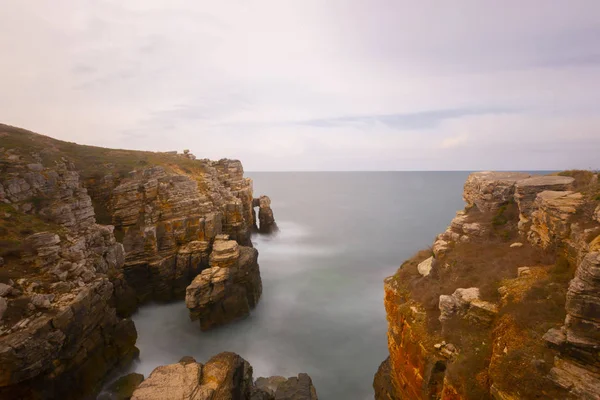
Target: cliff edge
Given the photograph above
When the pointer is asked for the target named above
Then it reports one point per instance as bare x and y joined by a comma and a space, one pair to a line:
506, 302
87, 234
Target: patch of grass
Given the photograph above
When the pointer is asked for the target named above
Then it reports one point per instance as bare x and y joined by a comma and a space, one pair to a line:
582, 177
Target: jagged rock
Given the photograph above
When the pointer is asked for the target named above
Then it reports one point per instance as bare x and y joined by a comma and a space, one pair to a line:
550, 218
265, 215
300, 388
425, 266
229, 289
489, 190
527, 190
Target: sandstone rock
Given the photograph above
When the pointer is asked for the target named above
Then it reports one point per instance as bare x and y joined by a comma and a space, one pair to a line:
457, 303
440, 247
229, 289
581, 382
527, 190
226, 376
175, 381
300, 388
597, 214
265, 216
523, 271
583, 302
550, 218
489, 190
425, 266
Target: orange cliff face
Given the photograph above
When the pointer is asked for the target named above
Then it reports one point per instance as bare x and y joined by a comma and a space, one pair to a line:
414, 369
504, 304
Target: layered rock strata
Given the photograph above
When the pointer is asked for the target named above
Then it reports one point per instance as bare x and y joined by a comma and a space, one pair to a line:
225, 376
168, 221
265, 215
228, 289
60, 332
508, 357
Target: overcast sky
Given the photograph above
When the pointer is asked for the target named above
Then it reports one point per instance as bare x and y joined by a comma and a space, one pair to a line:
312, 84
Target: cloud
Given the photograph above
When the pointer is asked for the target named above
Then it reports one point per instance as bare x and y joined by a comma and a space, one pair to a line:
312, 84
454, 141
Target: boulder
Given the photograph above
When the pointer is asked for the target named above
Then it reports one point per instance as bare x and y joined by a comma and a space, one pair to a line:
226, 376
425, 266
597, 214
489, 190
180, 381
457, 303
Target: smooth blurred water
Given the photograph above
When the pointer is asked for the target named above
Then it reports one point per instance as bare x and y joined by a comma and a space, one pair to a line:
321, 311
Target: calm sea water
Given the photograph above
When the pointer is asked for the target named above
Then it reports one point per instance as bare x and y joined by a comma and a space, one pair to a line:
321, 310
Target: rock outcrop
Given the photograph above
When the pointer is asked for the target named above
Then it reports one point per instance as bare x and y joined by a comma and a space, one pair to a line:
526, 192
60, 333
541, 231
265, 215
489, 190
168, 221
228, 289
225, 376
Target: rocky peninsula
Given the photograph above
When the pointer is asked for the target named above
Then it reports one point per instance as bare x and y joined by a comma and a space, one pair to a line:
505, 304
88, 234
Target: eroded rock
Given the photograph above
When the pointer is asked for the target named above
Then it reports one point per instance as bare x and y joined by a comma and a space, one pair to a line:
489, 190
229, 289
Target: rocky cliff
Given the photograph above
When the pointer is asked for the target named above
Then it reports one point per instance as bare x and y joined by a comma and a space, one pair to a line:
505, 304
60, 278
87, 234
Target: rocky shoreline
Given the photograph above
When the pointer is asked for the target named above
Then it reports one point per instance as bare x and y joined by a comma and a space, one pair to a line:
89, 234
505, 304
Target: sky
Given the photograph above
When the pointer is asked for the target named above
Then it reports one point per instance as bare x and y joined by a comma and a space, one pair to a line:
312, 84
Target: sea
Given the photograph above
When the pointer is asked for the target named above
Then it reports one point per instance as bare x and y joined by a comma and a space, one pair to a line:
321, 311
